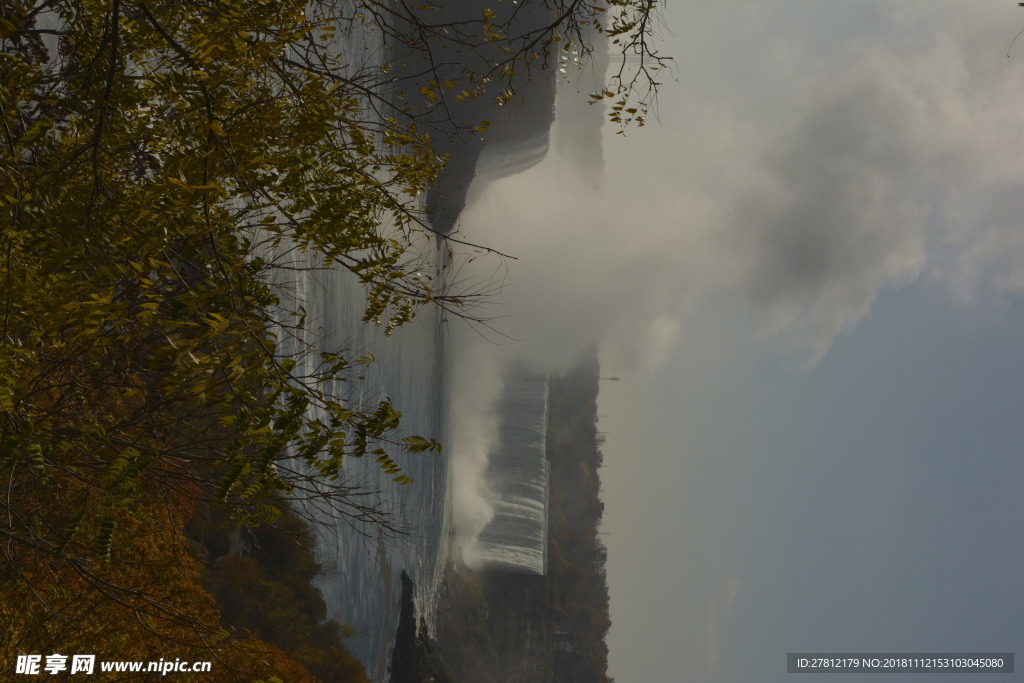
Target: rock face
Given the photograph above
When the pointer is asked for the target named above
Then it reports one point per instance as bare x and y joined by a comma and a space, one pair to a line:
518, 138
519, 132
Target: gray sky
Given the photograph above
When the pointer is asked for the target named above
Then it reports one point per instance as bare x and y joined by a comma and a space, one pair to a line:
809, 275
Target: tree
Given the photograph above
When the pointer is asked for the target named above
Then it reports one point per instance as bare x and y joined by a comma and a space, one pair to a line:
162, 162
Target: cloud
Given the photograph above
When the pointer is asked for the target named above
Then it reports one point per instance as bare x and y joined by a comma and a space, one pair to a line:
900, 160
803, 182
843, 205
719, 606
817, 158
712, 633
730, 591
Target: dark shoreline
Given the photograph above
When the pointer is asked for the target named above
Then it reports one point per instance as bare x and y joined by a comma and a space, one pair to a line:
414, 658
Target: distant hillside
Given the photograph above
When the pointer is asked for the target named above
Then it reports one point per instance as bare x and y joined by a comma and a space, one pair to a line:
577, 557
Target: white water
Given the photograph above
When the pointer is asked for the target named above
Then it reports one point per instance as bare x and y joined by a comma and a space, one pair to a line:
517, 477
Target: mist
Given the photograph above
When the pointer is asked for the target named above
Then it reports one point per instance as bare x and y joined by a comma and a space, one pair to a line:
795, 188
472, 432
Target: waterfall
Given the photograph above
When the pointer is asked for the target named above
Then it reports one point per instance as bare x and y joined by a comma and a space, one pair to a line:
517, 475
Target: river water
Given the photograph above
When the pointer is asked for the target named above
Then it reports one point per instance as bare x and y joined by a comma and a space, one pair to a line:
361, 564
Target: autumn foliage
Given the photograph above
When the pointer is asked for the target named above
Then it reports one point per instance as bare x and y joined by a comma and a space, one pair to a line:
165, 169
145, 604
